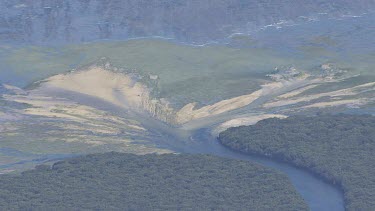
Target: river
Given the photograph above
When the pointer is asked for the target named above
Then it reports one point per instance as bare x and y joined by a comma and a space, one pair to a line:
318, 194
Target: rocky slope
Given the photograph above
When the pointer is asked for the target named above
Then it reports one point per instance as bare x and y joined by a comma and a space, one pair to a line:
197, 21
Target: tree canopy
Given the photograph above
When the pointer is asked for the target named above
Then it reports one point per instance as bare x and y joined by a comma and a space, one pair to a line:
116, 181
339, 148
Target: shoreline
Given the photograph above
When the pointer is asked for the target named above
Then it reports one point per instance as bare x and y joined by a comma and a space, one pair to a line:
284, 160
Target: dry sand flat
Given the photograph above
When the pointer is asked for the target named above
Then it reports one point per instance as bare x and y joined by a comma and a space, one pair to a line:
338, 93
99, 83
245, 121
349, 103
76, 117
121, 90
188, 113
298, 91
49, 100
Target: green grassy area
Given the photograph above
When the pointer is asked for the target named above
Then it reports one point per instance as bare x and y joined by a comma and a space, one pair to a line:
172, 62
186, 73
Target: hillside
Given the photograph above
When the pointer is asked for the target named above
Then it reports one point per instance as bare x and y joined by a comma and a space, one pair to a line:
338, 148
118, 181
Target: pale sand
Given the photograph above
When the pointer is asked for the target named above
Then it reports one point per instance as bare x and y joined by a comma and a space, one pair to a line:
349, 103
95, 82
244, 121
122, 90
298, 91
48, 113
342, 92
119, 89
94, 120
14, 89
188, 113
98, 129
116, 88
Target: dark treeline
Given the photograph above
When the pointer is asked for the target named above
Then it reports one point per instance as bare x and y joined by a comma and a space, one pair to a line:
115, 181
339, 148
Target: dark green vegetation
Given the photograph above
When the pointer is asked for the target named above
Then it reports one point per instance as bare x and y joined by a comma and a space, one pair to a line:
338, 148
116, 181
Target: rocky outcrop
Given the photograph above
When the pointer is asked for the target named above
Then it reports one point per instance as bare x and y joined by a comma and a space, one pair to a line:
193, 21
